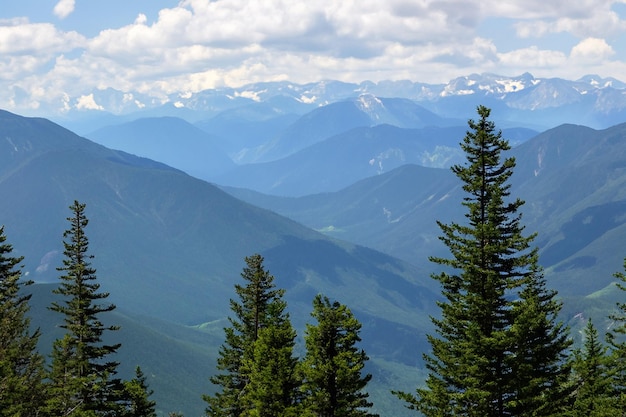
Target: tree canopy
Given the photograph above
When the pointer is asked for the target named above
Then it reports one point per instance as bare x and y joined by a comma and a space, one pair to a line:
499, 349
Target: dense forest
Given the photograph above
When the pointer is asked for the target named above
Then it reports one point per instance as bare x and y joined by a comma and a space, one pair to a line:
499, 348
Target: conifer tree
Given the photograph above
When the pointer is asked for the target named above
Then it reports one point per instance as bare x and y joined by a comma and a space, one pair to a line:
21, 366
137, 396
259, 302
273, 384
593, 394
617, 343
333, 383
499, 350
82, 376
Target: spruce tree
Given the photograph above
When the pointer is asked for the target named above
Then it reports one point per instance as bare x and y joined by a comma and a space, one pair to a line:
21, 366
273, 381
333, 380
82, 375
617, 343
499, 350
593, 393
137, 396
258, 302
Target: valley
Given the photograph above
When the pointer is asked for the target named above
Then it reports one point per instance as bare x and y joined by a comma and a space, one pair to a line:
341, 199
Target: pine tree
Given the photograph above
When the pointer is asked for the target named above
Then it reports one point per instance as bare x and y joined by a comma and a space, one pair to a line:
334, 385
82, 379
137, 396
617, 343
273, 384
593, 395
21, 366
258, 299
498, 350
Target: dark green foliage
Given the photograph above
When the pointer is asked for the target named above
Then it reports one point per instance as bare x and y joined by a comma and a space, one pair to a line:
81, 376
138, 395
617, 343
539, 364
498, 350
273, 381
592, 378
21, 366
332, 368
260, 303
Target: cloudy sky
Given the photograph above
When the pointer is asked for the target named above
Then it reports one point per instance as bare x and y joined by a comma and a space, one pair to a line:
51, 49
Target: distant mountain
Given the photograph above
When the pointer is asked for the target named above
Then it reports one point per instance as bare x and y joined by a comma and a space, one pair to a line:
239, 131
170, 140
170, 247
345, 158
572, 179
394, 212
336, 118
524, 100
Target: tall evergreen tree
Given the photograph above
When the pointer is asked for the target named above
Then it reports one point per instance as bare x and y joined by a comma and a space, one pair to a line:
258, 303
593, 395
82, 377
617, 343
334, 385
273, 385
498, 350
21, 366
138, 395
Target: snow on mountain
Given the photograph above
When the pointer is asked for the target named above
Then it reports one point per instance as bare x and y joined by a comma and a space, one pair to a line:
591, 93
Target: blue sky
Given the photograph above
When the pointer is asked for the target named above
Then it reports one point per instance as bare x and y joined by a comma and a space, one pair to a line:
54, 50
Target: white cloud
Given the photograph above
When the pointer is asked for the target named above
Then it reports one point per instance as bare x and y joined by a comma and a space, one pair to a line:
201, 44
592, 50
64, 8
597, 23
22, 37
532, 57
87, 102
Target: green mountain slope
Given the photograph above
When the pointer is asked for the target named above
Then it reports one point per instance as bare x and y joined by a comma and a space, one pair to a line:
572, 178
176, 359
169, 248
170, 140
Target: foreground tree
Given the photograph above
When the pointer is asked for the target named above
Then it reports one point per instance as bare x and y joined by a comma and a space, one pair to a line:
82, 379
332, 368
138, 395
258, 306
498, 350
592, 378
21, 366
273, 381
617, 343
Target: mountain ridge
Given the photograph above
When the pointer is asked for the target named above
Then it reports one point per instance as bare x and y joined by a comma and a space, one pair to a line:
170, 247
593, 100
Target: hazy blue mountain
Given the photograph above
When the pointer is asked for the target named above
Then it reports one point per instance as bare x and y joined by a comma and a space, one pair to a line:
335, 118
239, 131
343, 159
572, 179
394, 212
523, 100
170, 140
170, 247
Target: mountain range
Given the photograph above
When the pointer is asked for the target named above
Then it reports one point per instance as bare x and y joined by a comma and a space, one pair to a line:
524, 100
323, 150
169, 248
337, 185
572, 178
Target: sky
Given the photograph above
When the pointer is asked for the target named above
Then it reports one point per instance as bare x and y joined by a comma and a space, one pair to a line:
54, 49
